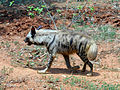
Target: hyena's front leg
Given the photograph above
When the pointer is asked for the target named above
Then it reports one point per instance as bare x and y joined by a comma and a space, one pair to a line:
48, 65
66, 57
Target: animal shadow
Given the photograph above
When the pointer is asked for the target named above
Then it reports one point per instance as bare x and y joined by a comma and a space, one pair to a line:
67, 71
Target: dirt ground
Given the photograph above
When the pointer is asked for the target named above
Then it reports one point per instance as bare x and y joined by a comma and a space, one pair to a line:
16, 77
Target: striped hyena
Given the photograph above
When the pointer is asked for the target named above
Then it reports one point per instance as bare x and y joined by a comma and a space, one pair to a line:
65, 43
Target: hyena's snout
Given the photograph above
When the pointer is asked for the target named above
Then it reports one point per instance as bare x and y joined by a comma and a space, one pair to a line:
27, 40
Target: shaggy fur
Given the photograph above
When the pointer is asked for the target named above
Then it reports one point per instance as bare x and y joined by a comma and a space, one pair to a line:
65, 43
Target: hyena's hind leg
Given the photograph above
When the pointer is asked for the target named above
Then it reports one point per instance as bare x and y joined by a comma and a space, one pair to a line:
66, 57
48, 65
86, 62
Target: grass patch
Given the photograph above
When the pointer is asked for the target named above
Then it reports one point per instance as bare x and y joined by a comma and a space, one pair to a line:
119, 59
4, 73
25, 56
85, 84
51, 79
99, 33
106, 33
30, 57
78, 83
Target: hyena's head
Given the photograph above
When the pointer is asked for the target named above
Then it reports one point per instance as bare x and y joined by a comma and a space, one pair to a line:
30, 36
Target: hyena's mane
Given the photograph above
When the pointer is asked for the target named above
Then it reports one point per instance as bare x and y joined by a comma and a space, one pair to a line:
45, 36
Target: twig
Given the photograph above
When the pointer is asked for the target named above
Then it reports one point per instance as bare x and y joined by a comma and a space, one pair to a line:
73, 18
67, 3
50, 15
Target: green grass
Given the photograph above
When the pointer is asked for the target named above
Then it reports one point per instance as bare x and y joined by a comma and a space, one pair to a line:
25, 55
37, 56
86, 84
99, 33
78, 82
2, 87
51, 79
4, 73
52, 83
5, 44
106, 33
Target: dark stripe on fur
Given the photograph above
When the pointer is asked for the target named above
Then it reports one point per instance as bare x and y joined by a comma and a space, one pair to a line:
65, 46
71, 41
51, 42
80, 46
59, 43
85, 45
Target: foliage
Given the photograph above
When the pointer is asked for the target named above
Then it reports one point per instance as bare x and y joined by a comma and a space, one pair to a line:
31, 14
80, 7
30, 8
37, 10
51, 79
85, 84
58, 11
4, 73
105, 33
11, 3
91, 8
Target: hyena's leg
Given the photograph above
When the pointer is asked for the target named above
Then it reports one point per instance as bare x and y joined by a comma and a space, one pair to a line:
66, 57
84, 67
91, 67
48, 65
86, 62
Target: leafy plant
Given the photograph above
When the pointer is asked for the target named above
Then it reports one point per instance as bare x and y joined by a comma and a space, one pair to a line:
43, 6
58, 11
114, 1
80, 7
11, 3
39, 10
74, 14
91, 8
30, 8
31, 14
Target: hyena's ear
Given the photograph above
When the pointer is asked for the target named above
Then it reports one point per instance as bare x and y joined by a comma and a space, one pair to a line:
33, 32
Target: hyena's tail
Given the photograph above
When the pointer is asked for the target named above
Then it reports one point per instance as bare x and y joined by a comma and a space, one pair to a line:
92, 51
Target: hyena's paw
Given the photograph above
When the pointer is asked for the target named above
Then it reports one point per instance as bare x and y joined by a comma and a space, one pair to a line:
90, 74
75, 67
42, 71
83, 70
